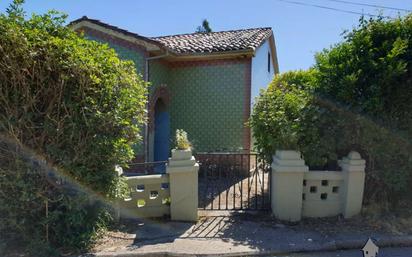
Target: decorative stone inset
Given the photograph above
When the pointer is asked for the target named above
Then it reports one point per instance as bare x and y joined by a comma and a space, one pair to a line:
153, 194
139, 188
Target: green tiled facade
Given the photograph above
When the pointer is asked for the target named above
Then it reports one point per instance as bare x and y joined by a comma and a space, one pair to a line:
158, 74
207, 98
208, 102
125, 53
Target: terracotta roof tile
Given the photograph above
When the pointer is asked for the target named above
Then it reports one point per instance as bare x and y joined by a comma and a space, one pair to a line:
222, 41
233, 40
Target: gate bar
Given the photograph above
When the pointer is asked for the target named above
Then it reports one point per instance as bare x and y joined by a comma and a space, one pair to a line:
241, 182
256, 183
263, 184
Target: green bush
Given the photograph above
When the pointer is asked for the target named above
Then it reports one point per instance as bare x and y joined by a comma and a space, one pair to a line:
368, 79
74, 106
277, 115
356, 97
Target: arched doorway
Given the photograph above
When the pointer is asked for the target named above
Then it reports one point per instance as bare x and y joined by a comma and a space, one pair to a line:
161, 131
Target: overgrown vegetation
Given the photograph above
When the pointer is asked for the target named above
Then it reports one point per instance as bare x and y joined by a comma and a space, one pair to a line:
69, 108
356, 97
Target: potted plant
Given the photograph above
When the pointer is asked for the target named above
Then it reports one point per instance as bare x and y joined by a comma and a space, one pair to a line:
183, 149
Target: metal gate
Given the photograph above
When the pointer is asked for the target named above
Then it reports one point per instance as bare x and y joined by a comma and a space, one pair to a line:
233, 181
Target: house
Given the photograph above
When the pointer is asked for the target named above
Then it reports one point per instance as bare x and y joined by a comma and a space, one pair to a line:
203, 83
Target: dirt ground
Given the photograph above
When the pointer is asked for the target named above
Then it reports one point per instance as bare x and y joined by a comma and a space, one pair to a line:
371, 222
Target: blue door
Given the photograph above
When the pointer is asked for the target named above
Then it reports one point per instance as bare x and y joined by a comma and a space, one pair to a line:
161, 137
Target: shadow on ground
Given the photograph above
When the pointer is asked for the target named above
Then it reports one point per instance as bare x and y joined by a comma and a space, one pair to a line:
235, 232
243, 231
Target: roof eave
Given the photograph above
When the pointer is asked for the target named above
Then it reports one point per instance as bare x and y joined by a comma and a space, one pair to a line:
151, 45
158, 48
272, 45
210, 55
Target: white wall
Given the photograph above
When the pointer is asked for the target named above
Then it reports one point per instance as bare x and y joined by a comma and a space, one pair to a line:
260, 75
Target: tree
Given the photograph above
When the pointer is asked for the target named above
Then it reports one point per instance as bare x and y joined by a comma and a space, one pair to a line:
204, 28
367, 79
370, 71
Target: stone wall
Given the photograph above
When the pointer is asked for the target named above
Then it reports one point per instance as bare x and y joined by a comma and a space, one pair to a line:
322, 193
174, 193
298, 192
149, 196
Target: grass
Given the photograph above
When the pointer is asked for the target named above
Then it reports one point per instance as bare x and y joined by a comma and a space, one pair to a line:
394, 219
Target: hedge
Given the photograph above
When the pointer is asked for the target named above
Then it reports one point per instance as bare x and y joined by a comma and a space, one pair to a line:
73, 106
355, 97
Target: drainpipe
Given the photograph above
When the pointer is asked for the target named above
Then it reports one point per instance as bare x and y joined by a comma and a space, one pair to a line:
146, 78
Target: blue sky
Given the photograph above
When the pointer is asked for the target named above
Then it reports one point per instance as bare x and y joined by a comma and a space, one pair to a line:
300, 31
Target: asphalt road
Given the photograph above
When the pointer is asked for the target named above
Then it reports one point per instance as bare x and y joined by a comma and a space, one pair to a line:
385, 252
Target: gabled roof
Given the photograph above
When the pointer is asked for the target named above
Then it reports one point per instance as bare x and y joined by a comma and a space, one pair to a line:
213, 42
111, 27
194, 43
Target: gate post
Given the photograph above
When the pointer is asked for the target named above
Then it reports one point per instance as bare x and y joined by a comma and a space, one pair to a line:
353, 168
183, 174
288, 170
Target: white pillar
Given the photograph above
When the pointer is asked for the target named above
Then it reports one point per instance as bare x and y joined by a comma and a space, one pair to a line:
288, 170
353, 168
183, 175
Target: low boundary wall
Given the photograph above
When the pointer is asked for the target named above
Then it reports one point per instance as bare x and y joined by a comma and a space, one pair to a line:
298, 192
